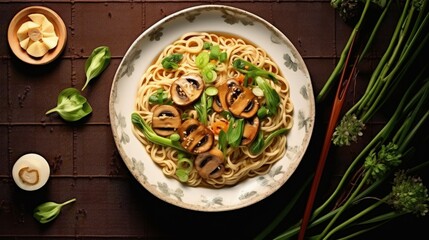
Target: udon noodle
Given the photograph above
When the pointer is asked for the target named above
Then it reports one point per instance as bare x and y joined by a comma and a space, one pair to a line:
239, 163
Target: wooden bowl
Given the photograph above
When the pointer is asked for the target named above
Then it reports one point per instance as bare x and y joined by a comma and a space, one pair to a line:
20, 18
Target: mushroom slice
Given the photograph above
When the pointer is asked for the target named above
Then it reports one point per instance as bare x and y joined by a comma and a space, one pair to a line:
187, 127
196, 138
165, 120
251, 128
217, 105
232, 95
210, 164
243, 103
186, 89
223, 90
251, 109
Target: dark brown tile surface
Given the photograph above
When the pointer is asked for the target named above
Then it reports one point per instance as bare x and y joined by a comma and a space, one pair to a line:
83, 156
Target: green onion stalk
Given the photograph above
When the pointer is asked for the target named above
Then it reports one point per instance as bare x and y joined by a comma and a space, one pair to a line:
334, 77
372, 168
398, 62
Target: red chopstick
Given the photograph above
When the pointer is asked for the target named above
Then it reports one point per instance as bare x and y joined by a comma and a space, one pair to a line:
336, 109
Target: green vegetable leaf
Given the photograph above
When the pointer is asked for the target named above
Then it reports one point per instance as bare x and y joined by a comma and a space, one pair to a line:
207, 45
271, 96
203, 107
235, 132
96, 63
48, 211
260, 144
223, 57
378, 164
160, 97
71, 105
262, 112
257, 145
147, 130
251, 70
223, 142
172, 61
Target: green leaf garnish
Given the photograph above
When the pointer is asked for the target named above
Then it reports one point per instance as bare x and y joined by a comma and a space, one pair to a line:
271, 95
160, 97
172, 61
48, 211
252, 71
235, 132
71, 105
96, 63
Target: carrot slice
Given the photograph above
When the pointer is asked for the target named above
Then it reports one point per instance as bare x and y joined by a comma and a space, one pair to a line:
219, 125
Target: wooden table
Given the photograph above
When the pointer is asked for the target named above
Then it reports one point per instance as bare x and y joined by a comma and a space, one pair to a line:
84, 161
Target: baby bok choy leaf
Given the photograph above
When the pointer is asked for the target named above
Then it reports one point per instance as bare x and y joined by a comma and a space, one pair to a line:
260, 144
71, 105
150, 134
48, 211
96, 63
252, 71
271, 96
234, 133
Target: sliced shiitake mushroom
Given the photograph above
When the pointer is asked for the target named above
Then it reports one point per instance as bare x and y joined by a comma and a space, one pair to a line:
251, 128
251, 109
242, 102
195, 137
187, 127
186, 89
222, 92
165, 120
217, 105
210, 164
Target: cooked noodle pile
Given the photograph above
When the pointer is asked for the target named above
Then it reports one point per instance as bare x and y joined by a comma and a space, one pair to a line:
239, 163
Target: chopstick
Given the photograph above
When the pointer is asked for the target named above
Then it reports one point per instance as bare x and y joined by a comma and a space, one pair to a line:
335, 113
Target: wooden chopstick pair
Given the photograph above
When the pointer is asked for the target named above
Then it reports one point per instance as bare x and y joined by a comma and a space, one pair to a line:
347, 75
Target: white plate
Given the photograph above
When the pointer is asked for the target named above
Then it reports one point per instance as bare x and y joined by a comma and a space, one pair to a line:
223, 19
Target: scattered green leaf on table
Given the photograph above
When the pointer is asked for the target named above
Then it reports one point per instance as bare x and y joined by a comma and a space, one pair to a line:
71, 105
48, 211
96, 63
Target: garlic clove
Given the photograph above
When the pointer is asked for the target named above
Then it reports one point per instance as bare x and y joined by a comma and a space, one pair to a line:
37, 49
31, 172
24, 43
47, 27
22, 32
37, 18
50, 42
